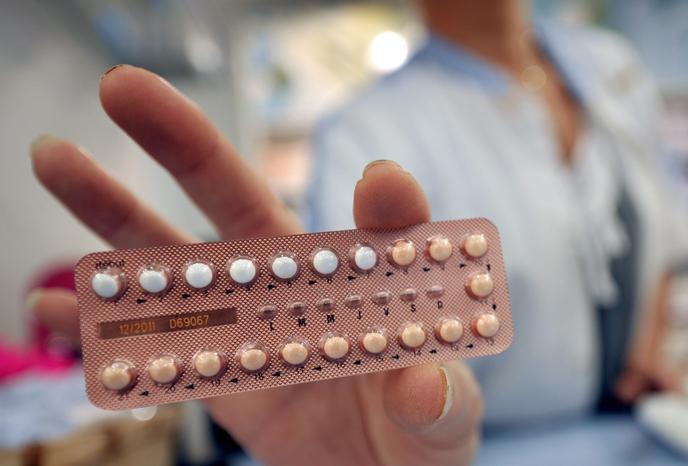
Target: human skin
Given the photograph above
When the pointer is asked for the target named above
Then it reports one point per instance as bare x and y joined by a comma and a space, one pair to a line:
427, 414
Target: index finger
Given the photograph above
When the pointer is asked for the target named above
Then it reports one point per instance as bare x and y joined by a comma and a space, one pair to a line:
176, 133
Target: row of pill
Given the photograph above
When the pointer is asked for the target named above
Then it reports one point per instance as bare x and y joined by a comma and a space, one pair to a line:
254, 357
243, 270
479, 286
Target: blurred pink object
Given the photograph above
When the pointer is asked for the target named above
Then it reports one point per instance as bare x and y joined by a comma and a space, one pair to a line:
46, 351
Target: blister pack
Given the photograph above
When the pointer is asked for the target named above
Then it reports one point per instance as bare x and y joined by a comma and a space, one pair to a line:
179, 322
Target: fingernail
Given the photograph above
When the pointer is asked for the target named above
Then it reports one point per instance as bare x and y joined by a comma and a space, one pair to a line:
448, 394
32, 299
375, 163
41, 141
112, 68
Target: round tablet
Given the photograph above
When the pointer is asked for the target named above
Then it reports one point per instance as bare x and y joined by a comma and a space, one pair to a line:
199, 275
284, 267
481, 285
118, 376
475, 245
209, 364
108, 284
450, 330
487, 325
155, 279
164, 370
325, 262
335, 347
295, 353
439, 248
364, 258
413, 336
253, 359
374, 342
402, 253
243, 270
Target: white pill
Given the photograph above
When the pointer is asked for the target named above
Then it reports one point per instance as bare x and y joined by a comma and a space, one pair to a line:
253, 359
284, 267
118, 376
208, 363
374, 343
413, 336
242, 271
450, 330
481, 285
475, 245
164, 370
325, 262
295, 353
107, 284
154, 280
365, 258
336, 347
199, 275
487, 325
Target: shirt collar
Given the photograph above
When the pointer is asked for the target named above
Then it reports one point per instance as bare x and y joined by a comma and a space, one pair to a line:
556, 40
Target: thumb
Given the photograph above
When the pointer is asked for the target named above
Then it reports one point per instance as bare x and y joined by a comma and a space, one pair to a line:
439, 404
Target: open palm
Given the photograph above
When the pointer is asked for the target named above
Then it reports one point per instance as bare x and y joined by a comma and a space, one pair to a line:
420, 415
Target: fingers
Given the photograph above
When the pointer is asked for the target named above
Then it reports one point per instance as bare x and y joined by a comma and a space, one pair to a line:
96, 198
389, 197
175, 132
56, 308
439, 404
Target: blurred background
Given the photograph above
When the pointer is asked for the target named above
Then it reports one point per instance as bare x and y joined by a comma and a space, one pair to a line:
265, 72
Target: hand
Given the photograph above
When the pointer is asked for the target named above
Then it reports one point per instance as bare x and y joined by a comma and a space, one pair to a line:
421, 415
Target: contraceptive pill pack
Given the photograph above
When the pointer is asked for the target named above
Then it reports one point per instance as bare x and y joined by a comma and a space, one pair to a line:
179, 322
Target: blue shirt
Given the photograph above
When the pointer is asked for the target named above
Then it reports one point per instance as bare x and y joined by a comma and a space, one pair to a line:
483, 146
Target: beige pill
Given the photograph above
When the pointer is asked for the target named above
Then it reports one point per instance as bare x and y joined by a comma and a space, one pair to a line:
413, 336
481, 285
487, 325
295, 353
374, 343
164, 370
118, 376
403, 253
253, 359
208, 363
450, 330
439, 248
475, 245
336, 347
